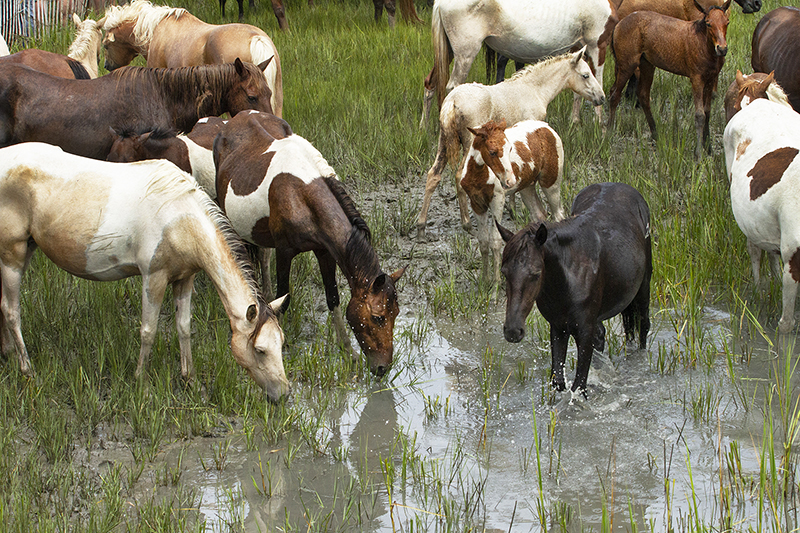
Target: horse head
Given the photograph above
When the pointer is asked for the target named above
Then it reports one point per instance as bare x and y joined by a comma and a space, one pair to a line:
715, 22
583, 81
523, 268
744, 89
749, 6
371, 313
490, 142
250, 91
120, 47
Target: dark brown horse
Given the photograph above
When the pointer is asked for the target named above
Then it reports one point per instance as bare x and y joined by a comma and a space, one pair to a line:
776, 46
588, 268
696, 50
282, 194
77, 114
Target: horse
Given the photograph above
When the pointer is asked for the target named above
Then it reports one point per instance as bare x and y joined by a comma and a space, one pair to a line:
775, 47
173, 37
524, 96
748, 88
81, 60
590, 267
523, 30
108, 221
696, 50
282, 194
136, 97
502, 160
4, 51
761, 142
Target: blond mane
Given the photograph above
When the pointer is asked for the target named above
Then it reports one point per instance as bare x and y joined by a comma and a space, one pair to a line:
146, 15
87, 41
539, 65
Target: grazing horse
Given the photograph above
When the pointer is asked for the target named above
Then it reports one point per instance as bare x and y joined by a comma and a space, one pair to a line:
282, 194
502, 160
81, 59
524, 96
696, 50
107, 221
776, 47
136, 97
173, 37
761, 144
523, 30
585, 269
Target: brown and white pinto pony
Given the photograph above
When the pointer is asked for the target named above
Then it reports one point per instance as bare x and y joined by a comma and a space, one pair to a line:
502, 160
108, 221
173, 37
282, 194
776, 47
696, 50
762, 141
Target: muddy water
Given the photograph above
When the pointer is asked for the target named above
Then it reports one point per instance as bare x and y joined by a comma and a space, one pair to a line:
473, 408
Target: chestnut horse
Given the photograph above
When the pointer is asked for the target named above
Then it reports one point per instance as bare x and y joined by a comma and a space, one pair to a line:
107, 221
135, 97
696, 50
81, 59
282, 194
173, 37
590, 267
747, 88
776, 47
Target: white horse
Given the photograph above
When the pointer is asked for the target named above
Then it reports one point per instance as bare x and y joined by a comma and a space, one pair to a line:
85, 49
108, 221
523, 30
525, 96
761, 143
502, 160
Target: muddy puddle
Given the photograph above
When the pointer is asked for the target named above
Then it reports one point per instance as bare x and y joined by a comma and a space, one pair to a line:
469, 434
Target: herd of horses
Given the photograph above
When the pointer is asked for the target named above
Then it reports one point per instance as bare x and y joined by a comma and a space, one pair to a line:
250, 178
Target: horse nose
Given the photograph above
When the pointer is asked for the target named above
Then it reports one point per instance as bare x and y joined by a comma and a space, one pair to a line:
722, 51
380, 370
601, 100
513, 334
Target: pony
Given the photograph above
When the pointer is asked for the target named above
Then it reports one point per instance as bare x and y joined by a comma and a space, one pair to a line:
592, 266
80, 61
107, 221
524, 96
761, 142
173, 37
775, 47
523, 30
748, 88
136, 97
502, 160
282, 194
696, 50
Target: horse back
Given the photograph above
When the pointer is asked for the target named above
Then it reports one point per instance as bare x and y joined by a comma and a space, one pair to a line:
537, 153
49, 62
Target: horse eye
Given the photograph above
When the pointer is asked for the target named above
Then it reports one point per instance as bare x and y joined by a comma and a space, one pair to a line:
586, 76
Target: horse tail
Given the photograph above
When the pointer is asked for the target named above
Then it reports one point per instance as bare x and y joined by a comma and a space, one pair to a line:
348, 206
491, 64
261, 49
448, 132
442, 55
78, 70
409, 12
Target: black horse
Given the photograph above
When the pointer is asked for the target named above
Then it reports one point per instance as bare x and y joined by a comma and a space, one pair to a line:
592, 266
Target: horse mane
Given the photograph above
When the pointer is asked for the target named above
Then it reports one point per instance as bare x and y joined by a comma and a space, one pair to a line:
157, 134
146, 15
536, 67
699, 24
361, 261
78, 70
82, 45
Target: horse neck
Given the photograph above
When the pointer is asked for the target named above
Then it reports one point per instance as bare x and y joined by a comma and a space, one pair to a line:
85, 49
190, 100
546, 82
235, 291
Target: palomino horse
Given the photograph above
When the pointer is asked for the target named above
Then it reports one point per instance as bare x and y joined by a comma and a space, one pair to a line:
523, 30
776, 47
80, 61
761, 145
282, 194
501, 160
524, 96
137, 98
696, 50
173, 37
590, 267
107, 221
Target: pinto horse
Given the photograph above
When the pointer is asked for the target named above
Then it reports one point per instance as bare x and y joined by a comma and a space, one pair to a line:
776, 48
282, 194
585, 269
80, 61
523, 30
761, 144
136, 97
696, 50
173, 37
524, 96
107, 221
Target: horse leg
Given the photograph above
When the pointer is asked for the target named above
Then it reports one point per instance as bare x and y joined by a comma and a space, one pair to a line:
755, 261
427, 100
222, 8
327, 267
646, 72
622, 71
153, 287
182, 294
558, 351
462, 62
787, 322
708, 93
432, 181
599, 340
283, 268
463, 202
11, 279
264, 257
241, 10
532, 201
280, 13
483, 242
496, 242
585, 343
502, 62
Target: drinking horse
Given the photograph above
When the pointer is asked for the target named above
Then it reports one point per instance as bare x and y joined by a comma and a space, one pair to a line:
282, 194
775, 47
108, 221
137, 97
173, 37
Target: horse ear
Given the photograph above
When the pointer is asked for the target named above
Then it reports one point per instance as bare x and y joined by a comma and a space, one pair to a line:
252, 313
767, 81
474, 131
739, 77
701, 8
114, 134
397, 274
110, 37
504, 233
239, 66
541, 235
143, 137
102, 22
280, 305
380, 281
726, 5
263, 65
76, 19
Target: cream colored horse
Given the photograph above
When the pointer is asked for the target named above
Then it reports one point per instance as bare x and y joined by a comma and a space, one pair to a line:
85, 49
108, 221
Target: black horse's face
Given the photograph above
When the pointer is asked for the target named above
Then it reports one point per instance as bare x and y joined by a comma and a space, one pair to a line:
523, 268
